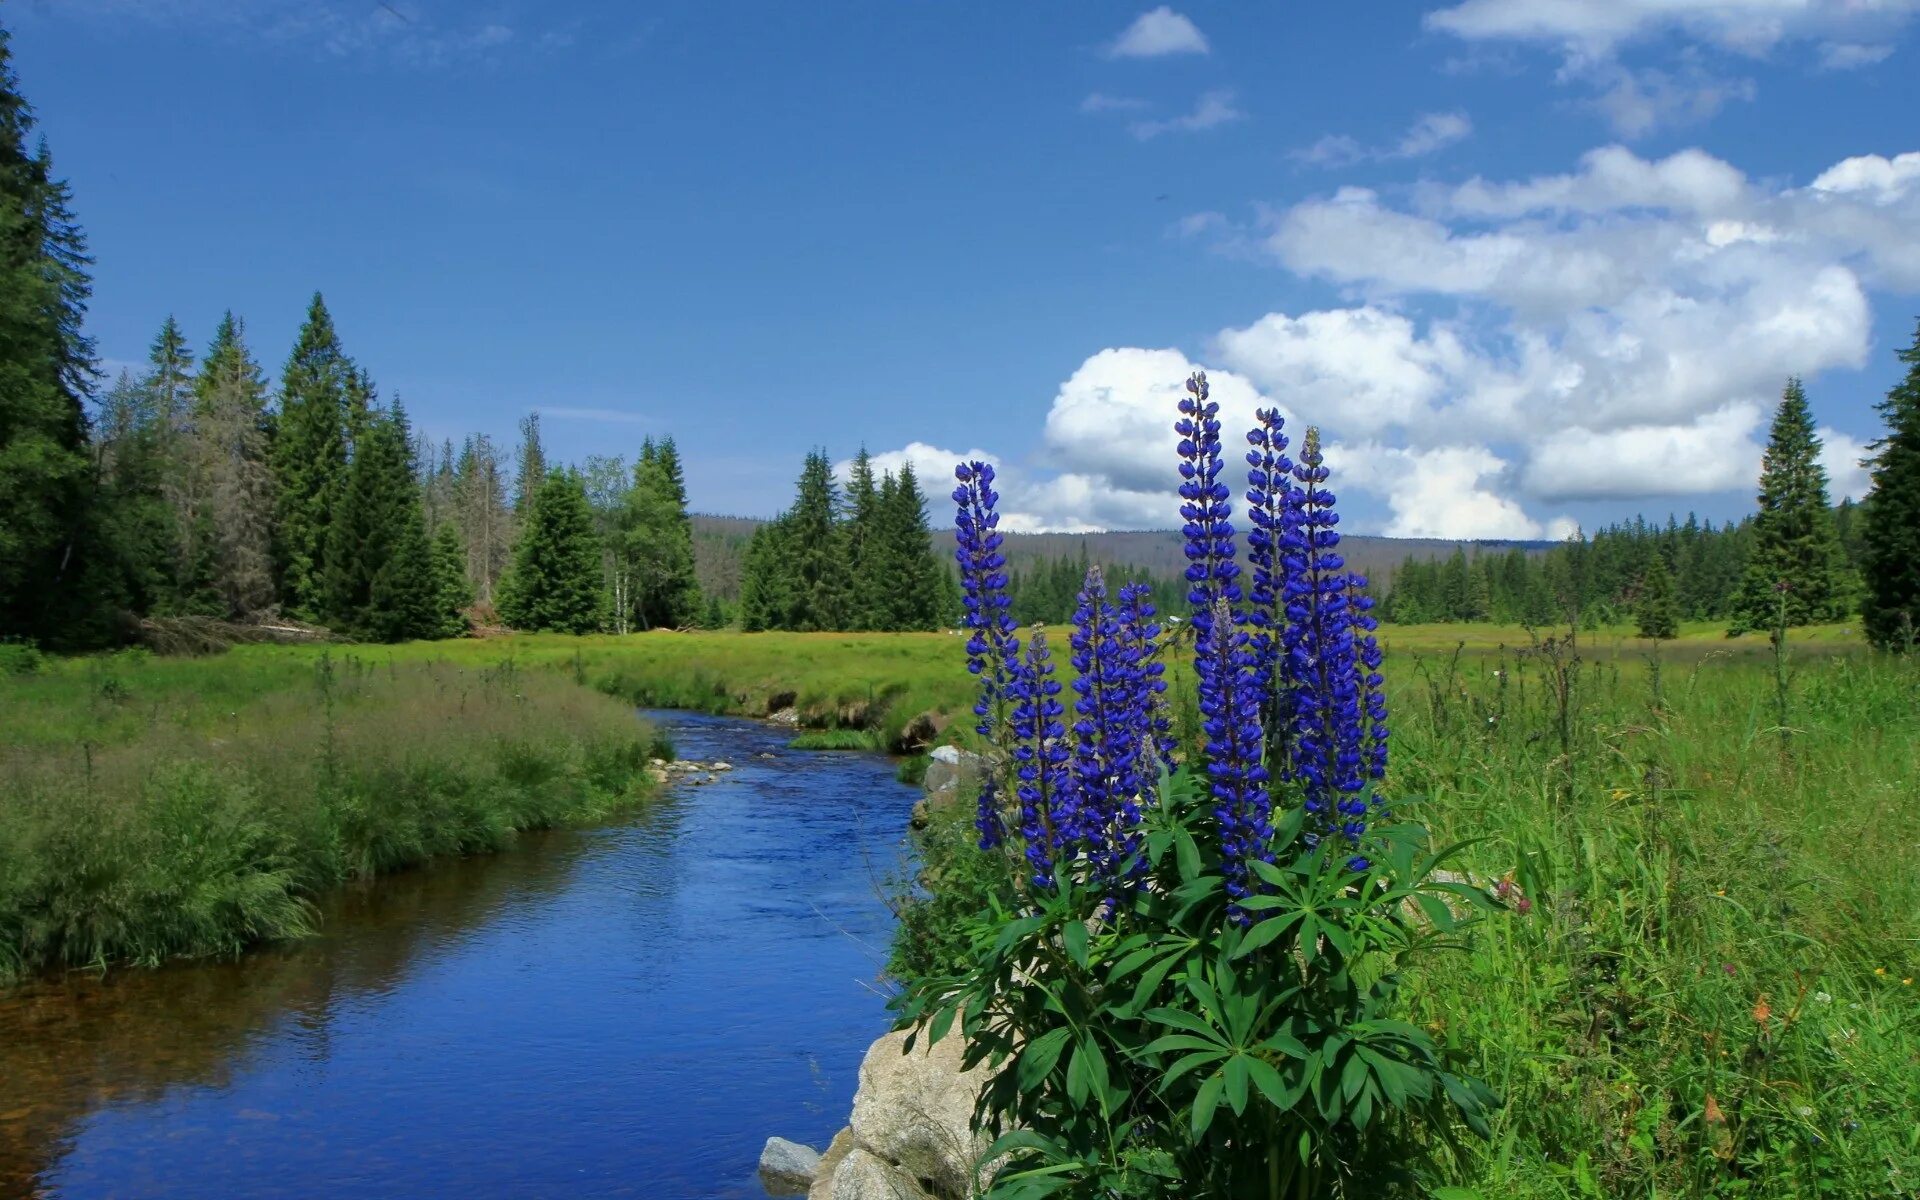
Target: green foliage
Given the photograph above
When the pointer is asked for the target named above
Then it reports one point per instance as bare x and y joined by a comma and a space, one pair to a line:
659, 539
1160, 1049
1796, 548
1891, 534
1655, 614
47, 587
379, 582
555, 580
452, 593
203, 831
310, 458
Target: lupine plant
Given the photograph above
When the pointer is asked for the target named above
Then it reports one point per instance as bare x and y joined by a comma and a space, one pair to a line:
1188, 987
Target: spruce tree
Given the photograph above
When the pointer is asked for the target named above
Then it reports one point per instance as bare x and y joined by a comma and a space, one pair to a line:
867, 599
1890, 538
661, 533
1796, 549
452, 592
908, 592
310, 457
46, 367
134, 527
1656, 613
232, 488
378, 579
532, 466
554, 584
815, 566
482, 513
766, 583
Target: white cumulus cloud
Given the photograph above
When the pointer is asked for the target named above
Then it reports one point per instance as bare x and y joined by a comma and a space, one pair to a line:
1157, 33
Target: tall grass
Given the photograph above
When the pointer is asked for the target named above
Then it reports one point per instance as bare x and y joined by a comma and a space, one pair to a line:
1711, 991
1705, 985
157, 808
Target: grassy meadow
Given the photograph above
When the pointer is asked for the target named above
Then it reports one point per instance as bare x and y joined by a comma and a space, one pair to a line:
153, 808
1703, 986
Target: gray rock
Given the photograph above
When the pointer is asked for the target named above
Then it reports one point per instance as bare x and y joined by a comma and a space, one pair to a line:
914, 1111
864, 1176
788, 1168
953, 769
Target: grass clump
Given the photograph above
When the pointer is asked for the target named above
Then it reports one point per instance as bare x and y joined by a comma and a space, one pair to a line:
149, 820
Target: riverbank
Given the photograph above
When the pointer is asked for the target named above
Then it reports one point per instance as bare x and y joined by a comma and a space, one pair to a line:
1706, 982
165, 808
620, 1009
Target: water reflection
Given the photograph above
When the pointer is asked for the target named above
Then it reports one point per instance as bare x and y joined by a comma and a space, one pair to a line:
621, 1011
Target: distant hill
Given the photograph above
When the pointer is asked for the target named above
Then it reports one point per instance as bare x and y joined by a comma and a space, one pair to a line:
720, 544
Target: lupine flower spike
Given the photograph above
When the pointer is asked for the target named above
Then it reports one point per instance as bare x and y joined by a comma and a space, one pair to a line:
1228, 690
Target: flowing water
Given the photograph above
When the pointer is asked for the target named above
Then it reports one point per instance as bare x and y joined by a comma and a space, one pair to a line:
623, 1011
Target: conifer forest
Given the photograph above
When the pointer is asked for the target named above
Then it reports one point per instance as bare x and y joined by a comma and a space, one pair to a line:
1461, 742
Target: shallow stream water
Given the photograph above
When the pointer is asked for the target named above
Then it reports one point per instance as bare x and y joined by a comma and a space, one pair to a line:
629, 1010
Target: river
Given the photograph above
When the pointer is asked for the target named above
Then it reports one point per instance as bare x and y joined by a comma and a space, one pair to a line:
629, 1010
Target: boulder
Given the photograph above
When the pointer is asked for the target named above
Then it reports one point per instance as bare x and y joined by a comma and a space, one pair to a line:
787, 717
864, 1176
837, 1151
920, 732
788, 1168
953, 770
914, 1111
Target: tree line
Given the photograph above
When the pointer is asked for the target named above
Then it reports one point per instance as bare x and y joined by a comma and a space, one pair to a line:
853, 558
1797, 560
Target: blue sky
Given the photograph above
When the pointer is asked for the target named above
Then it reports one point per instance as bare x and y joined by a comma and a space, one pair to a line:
1526, 262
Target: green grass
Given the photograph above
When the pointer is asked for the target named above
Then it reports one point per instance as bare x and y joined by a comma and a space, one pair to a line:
1720, 905
1684, 855
159, 808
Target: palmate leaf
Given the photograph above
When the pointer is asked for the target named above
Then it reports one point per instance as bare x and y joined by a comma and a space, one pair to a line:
1269, 1082
1038, 1059
1206, 1102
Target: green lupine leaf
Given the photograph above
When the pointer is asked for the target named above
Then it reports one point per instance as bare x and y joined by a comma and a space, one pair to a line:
1038, 1059
1074, 938
1197, 1059
1205, 1101
1237, 1077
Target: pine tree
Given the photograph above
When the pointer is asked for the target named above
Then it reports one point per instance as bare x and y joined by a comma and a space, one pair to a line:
310, 456
867, 599
134, 527
233, 492
452, 593
1656, 613
1890, 538
661, 533
533, 466
906, 575
46, 367
554, 584
766, 582
811, 544
481, 512
1796, 549
378, 579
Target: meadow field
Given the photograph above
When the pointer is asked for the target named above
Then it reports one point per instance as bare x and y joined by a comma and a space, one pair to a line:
1703, 984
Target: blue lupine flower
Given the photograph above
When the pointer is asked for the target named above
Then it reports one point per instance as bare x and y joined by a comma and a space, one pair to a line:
1043, 782
993, 648
1112, 733
1141, 636
1224, 661
1323, 660
1275, 521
